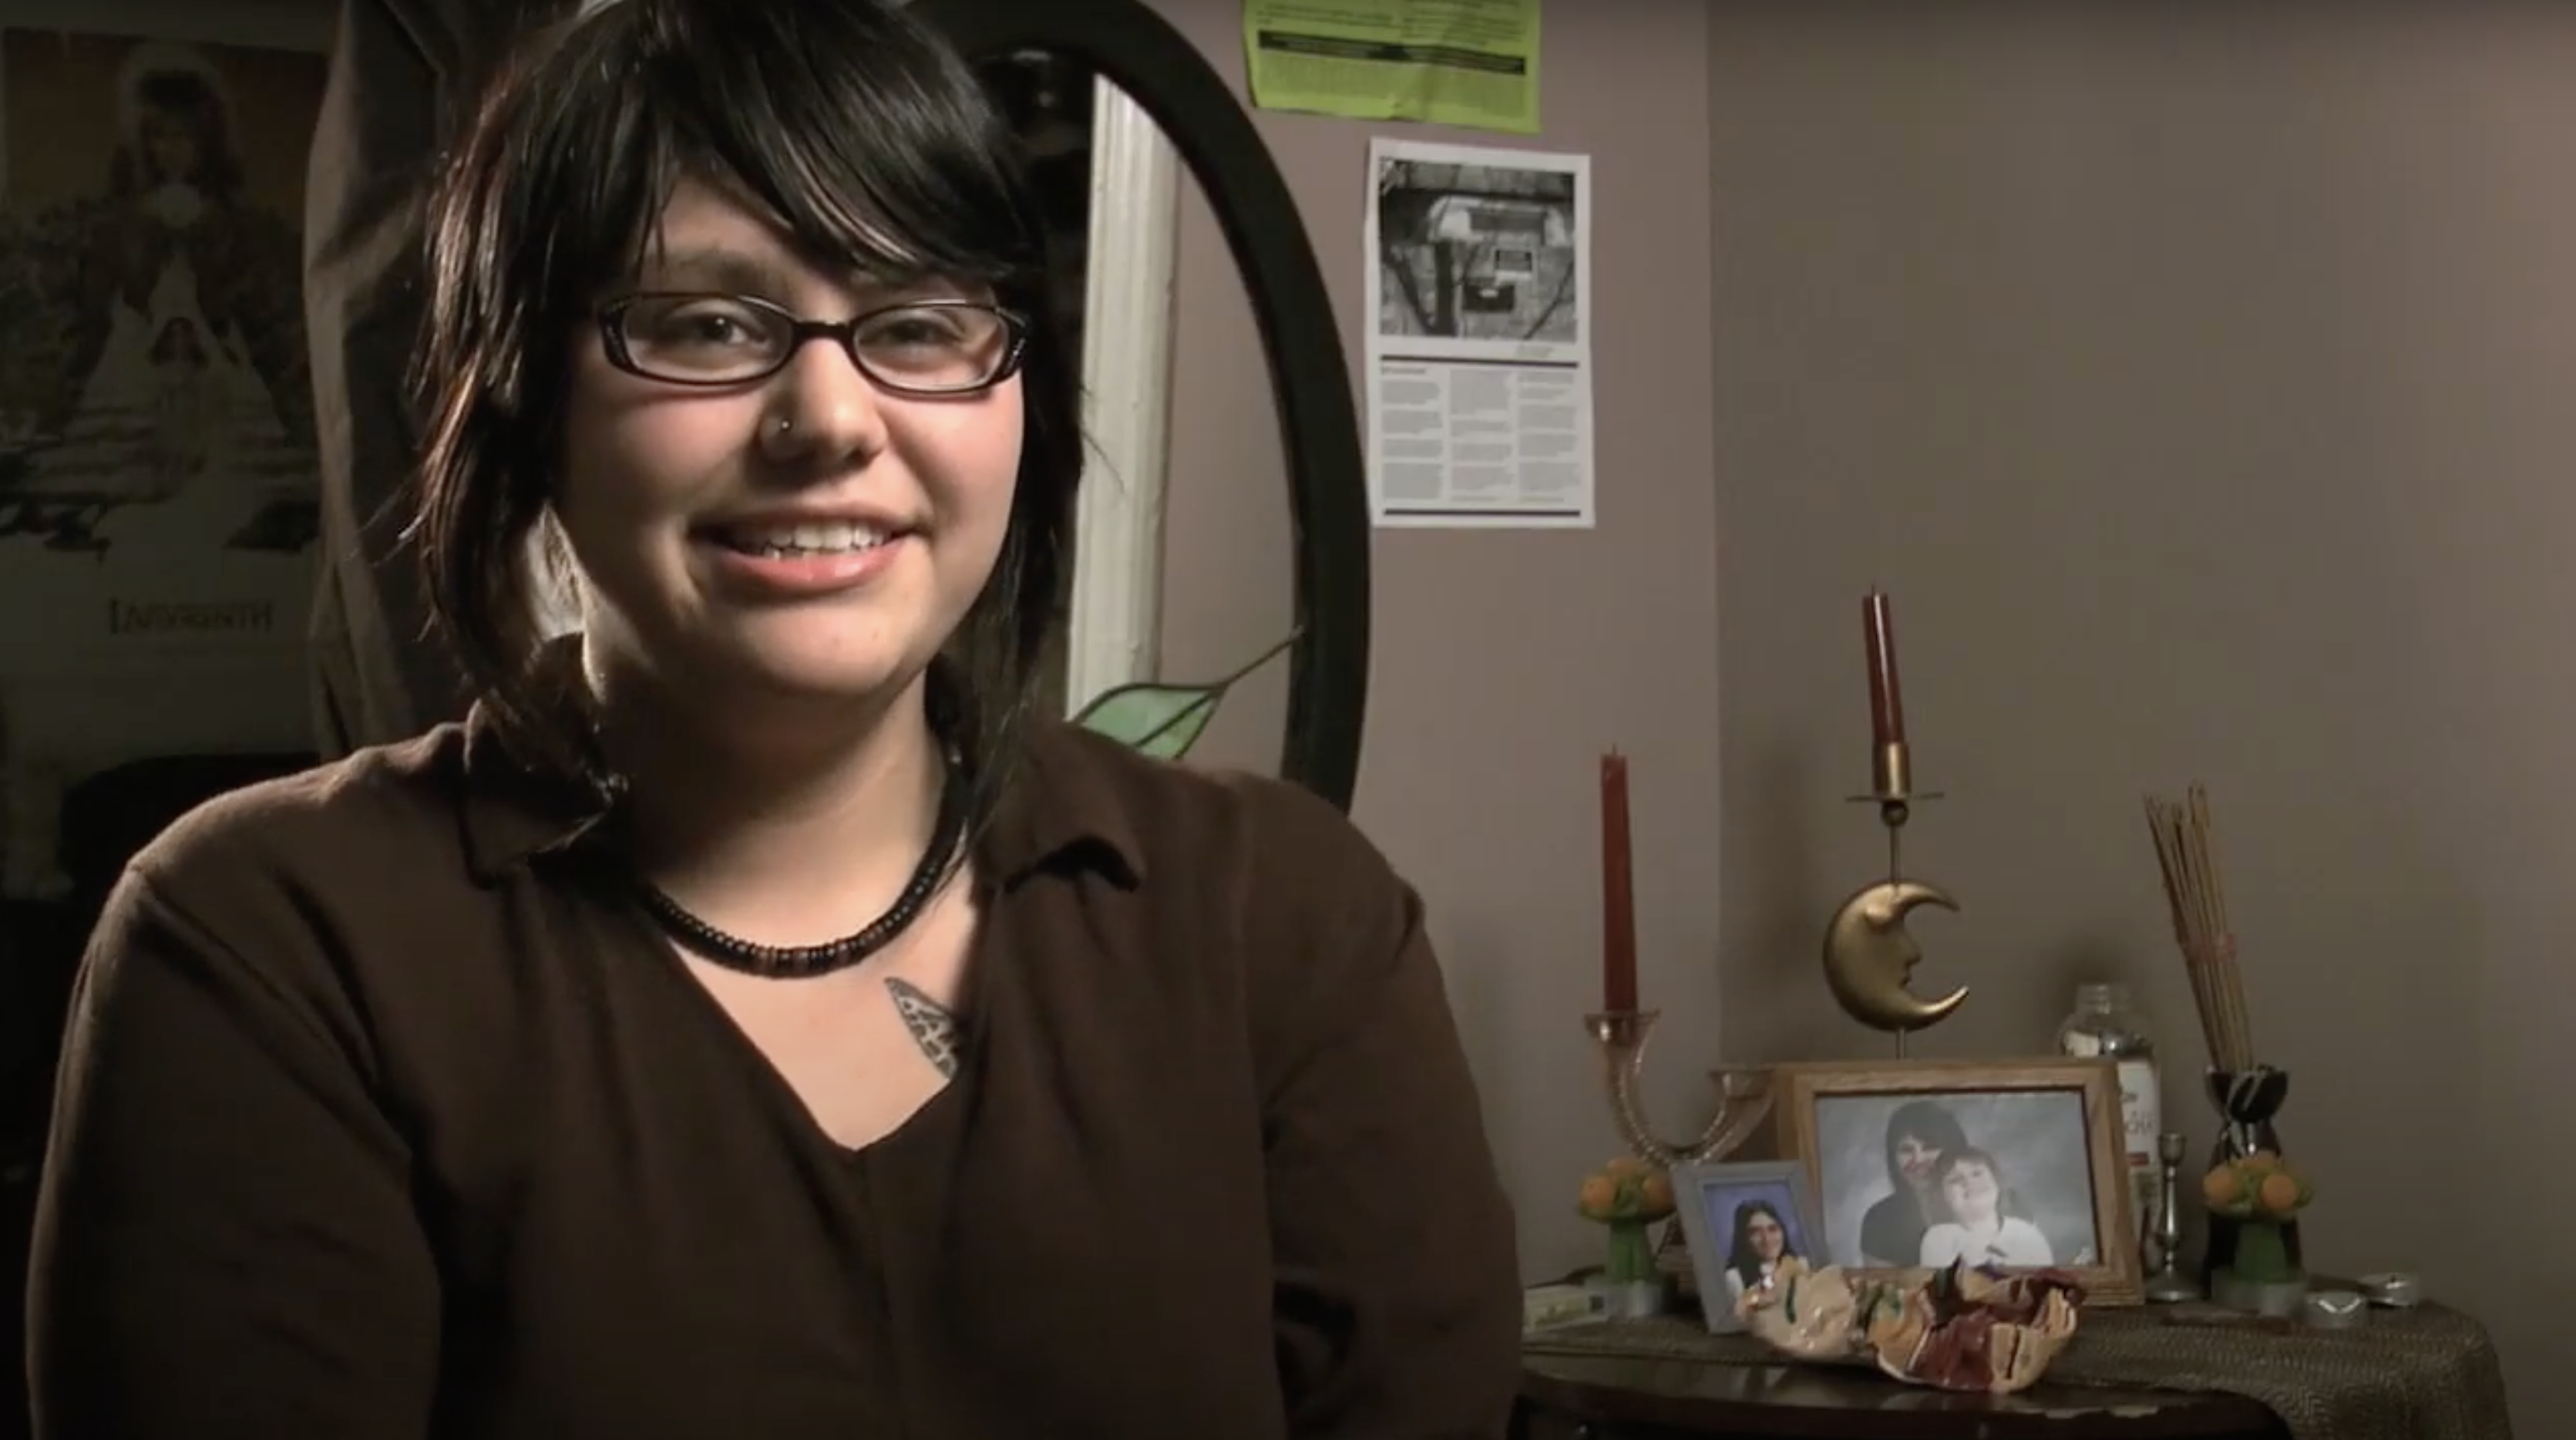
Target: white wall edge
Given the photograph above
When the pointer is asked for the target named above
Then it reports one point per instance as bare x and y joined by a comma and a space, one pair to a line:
1116, 618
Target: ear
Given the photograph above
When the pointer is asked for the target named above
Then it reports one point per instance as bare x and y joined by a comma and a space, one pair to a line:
558, 599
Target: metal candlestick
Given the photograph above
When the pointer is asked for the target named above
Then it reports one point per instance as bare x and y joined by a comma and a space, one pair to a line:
2166, 1284
1869, 954
1743, 1096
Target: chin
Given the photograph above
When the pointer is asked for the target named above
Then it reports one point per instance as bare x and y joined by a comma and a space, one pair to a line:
809, 666
832, 678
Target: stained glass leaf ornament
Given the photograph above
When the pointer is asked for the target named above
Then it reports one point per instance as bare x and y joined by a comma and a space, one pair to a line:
1163, 721
1165, 718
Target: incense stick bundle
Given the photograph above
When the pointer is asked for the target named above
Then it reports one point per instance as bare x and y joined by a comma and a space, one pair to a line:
2187, 853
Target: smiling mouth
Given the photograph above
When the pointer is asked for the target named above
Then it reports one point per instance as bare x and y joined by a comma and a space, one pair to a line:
796, 542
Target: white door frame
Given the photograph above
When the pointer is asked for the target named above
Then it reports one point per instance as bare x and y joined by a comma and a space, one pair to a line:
1115, 624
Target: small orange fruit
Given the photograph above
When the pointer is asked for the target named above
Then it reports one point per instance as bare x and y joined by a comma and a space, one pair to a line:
2279, 1193
2222, 1187
1600, 1196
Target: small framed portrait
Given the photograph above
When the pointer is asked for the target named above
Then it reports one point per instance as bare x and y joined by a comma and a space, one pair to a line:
1741, 1221
2018, 1165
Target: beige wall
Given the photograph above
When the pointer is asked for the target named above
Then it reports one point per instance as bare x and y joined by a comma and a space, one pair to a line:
2201, 390
1505, 663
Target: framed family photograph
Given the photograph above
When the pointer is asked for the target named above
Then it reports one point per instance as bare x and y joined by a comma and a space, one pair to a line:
2018, 1165
1742, 1220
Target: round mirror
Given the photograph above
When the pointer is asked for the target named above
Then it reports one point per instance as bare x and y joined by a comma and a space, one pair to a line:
1219, 604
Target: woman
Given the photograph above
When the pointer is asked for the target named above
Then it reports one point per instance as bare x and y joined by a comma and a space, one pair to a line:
1761, 1242
752, 1021
1918, 1135
1978, 1231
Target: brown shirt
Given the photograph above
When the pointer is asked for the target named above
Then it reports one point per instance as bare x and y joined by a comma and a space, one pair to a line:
385, 1113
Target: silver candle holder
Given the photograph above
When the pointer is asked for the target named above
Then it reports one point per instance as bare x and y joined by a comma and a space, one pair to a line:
1743, 1095
2166, 1284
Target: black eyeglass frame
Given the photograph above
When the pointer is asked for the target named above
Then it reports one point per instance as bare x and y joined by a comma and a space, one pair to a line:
801, 332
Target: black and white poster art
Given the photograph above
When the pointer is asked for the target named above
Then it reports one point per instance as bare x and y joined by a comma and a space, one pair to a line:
1470, 250
159, 495
1993, 1177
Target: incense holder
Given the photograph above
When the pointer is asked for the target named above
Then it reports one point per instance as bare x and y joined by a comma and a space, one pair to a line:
2246, 1101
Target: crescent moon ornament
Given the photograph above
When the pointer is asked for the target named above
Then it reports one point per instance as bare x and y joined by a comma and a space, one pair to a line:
1869, 956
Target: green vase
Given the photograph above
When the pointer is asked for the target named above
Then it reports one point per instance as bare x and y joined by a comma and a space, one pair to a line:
1632, 1254
2262, 1253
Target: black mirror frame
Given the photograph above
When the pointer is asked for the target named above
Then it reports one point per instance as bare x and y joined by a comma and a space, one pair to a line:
1129, 45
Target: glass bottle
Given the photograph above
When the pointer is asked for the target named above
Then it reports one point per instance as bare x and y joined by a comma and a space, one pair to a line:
2103, 1027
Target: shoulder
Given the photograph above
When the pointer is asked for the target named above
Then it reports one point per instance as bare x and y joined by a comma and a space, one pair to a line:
344, 820
286, 902
1173, 821
1265, 879
303, 872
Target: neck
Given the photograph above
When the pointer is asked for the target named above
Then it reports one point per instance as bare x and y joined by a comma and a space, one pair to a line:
810, 817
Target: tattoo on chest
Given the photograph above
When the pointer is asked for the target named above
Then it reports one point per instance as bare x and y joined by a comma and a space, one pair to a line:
932, 1027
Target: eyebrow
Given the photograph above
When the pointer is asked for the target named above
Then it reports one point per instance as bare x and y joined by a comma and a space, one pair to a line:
717, 267
714, 267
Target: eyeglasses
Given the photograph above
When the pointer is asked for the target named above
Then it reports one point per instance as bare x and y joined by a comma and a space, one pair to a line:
925, 347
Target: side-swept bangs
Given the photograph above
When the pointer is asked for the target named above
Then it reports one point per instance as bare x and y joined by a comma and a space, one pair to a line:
868, 140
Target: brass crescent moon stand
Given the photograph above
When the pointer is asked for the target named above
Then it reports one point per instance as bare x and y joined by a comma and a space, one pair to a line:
1127, 44
1869, 954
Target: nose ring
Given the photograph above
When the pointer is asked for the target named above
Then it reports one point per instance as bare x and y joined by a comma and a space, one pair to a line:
785, 426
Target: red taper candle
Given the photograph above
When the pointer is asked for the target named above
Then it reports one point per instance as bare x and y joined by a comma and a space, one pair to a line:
1886, 700
1618, 898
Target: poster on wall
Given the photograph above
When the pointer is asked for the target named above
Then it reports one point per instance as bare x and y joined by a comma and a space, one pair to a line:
1479, 369
159, 491
1444, 62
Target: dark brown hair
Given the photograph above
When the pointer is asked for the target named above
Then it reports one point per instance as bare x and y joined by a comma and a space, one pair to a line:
871, 142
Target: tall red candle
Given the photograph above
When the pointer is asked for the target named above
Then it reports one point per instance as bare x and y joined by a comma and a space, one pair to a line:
1886, 701
1618, 900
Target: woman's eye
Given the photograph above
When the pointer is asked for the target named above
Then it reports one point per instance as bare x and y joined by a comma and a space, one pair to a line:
702, 326
911, 330
709, 328
943, 327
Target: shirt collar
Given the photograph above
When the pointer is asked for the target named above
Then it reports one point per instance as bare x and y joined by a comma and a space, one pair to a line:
1061, 805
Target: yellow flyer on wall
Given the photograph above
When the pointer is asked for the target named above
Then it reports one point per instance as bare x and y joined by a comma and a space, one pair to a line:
1450, 62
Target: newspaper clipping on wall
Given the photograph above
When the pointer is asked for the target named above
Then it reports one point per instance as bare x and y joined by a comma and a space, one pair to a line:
1479, 369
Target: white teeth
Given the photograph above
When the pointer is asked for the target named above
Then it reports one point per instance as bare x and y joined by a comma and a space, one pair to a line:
830, 537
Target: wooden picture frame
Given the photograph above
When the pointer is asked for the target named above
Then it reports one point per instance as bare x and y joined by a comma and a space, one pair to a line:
2045, 1133
1709, 1199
